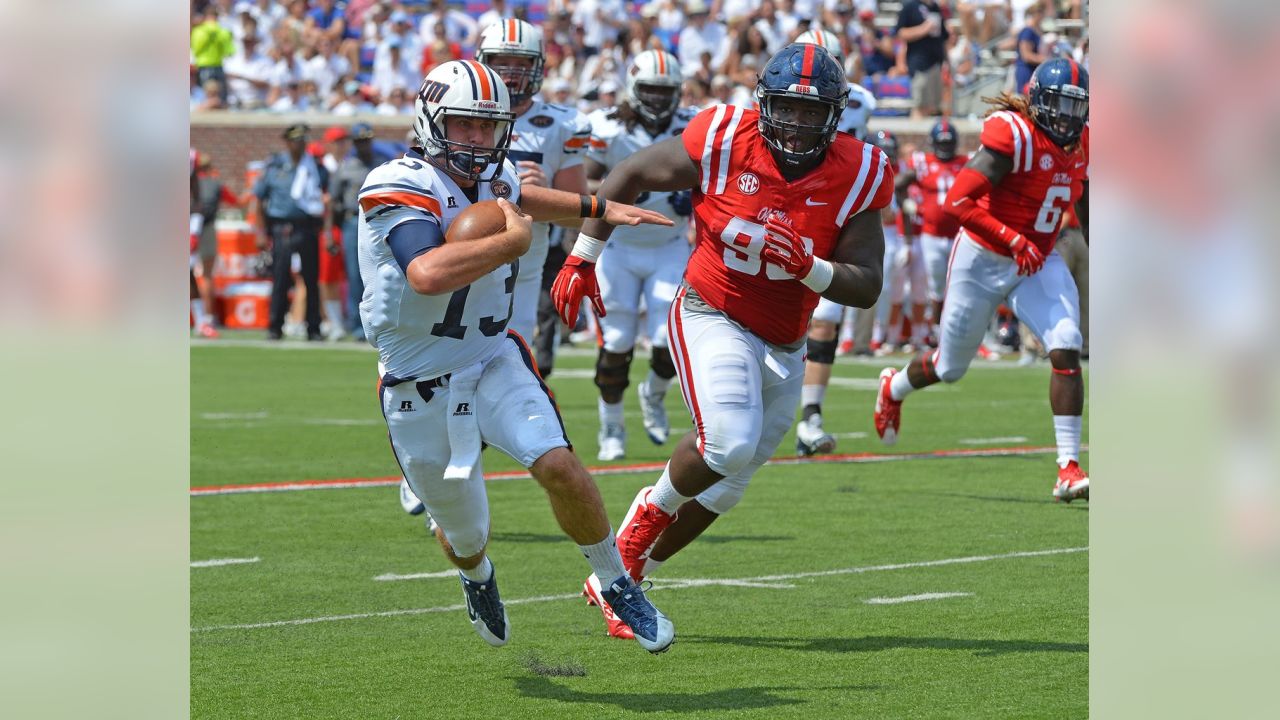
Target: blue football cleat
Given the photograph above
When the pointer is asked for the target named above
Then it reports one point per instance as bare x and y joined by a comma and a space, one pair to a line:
652, 629
484, 607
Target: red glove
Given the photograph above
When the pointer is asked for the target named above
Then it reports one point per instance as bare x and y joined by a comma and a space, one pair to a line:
576, 280
784, 248
1027, 255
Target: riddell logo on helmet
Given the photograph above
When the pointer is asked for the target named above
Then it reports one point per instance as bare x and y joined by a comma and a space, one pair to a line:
487, 105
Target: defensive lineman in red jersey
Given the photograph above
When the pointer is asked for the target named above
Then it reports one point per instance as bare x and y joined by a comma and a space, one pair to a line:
1009, 201
784, 210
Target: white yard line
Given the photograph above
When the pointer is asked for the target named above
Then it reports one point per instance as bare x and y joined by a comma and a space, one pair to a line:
993, 440
849, 435
224, 561
233, 416
390, 577
342, 421
671, 584
915, 598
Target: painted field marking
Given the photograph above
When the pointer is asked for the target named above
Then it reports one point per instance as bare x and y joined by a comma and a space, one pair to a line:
671, 584
390, 577
233, 416
342, 421
915, 598
993, 441
224, 561
600, 470
849, 435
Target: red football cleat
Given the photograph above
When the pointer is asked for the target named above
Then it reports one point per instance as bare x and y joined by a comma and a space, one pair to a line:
614, 626
845, 347
640, 530
1072, 483
209, 331
888, 411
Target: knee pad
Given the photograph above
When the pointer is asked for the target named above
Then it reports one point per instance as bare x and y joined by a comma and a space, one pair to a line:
661, 364
1065, 336
612, 371
950, 374
730, 457
464, 525
822, 351
724, 495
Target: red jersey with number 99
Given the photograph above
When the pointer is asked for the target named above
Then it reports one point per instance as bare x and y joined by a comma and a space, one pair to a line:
1044, 182
739, 187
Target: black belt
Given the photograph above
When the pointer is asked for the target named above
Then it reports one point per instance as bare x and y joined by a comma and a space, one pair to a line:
389, 380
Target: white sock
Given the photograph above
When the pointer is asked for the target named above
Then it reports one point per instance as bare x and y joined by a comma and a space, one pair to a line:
812, 394
333, 310
480, 573
610, 414
918, 331
847, 323
900, 386
605, 561
650, 567
657, 385
1066, 428
664, 494
197, 310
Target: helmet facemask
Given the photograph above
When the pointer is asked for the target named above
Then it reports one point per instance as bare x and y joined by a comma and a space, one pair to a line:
655, 103
464, 159
523, 80
1061, 112
794, 141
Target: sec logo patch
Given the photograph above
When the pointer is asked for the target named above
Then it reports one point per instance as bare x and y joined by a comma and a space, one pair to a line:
500, 188
1046, 162
541, 121
748, 183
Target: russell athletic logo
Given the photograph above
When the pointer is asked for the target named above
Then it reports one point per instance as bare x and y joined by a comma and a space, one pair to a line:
406, 406
463, 409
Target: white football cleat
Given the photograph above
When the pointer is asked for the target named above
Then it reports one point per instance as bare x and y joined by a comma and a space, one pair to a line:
409, 501
613, 443
654, 414
811, 439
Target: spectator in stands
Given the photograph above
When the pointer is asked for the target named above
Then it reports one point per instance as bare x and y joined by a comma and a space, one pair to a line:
326, 19
294, 24
396, 71
249, 25
751, 42
289, 201
411, 48
398, 102
701, 36
211, 93
350, 99
599, 20
449, 24
249, 76
325, 67
922, 27
1029, 54
608, 63
291, 99
983, 20
777, 28
282, 73
875, 46
494, 15
211, 45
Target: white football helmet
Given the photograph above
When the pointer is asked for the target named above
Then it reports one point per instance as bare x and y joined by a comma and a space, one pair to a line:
519, 39
653, 86
825, 40
463, 88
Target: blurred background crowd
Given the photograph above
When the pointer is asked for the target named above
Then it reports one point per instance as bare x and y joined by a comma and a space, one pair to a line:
358, 57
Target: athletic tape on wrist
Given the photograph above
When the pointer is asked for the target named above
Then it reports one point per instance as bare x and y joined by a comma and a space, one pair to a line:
587, 248
820, 276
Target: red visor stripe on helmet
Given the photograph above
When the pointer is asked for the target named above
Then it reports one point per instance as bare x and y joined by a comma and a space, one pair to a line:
662, 64
511, 31
1075, 72
807, 68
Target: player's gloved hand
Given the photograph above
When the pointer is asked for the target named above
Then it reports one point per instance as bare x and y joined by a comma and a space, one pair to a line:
1027, 255
575, 281
784, 248
681, 202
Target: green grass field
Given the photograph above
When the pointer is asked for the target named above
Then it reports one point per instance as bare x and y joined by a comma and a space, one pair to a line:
778, 624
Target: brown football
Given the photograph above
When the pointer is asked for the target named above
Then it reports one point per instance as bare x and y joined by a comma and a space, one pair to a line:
480, 220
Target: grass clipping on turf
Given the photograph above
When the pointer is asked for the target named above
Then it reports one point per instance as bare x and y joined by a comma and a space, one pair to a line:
535, 665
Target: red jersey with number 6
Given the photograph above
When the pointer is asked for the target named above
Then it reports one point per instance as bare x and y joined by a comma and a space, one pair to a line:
739, 187
1044, 182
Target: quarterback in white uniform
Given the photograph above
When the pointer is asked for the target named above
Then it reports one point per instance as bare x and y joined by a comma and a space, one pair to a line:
644, 264
453, 378
548, 143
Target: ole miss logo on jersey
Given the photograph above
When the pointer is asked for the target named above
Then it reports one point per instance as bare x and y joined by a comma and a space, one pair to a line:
740, 185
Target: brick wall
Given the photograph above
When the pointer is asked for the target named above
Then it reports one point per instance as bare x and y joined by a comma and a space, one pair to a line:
233, 139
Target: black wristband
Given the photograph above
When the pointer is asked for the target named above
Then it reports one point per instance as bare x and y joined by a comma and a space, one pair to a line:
592, 206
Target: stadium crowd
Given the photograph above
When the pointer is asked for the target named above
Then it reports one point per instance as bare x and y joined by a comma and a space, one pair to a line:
369, 56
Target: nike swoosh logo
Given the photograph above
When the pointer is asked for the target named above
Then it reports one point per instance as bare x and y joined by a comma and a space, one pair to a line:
1079, 165
958, 203
812, 203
